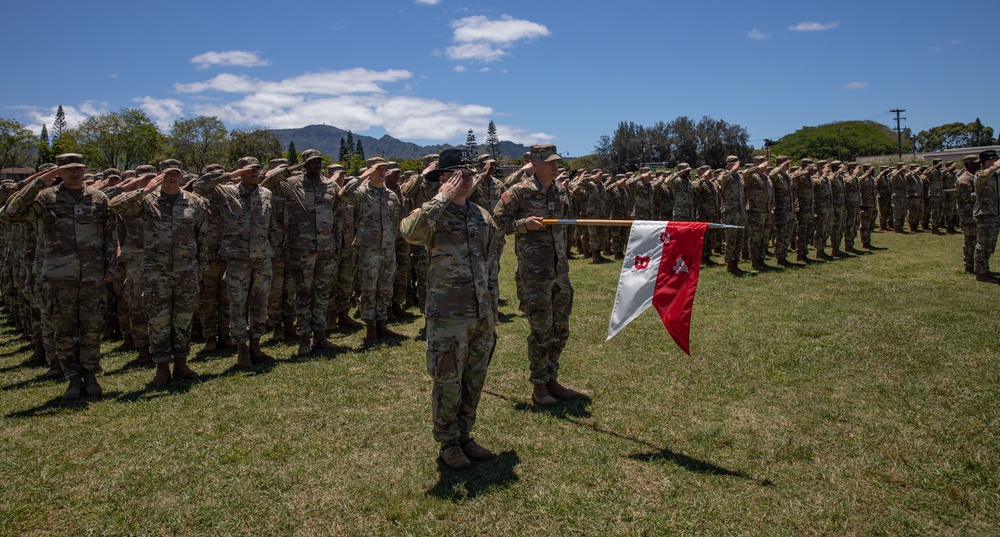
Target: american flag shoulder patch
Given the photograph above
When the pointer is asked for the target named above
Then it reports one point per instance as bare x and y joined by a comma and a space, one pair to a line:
505, 197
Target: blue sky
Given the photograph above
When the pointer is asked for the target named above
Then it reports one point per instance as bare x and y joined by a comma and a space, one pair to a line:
564, 72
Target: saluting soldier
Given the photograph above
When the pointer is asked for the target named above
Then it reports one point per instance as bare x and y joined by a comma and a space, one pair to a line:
965, 190
986, 211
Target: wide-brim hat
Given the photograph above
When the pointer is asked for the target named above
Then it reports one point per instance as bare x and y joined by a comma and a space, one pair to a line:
451, 160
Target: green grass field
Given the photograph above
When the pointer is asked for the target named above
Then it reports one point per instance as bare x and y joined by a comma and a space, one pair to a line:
854, 397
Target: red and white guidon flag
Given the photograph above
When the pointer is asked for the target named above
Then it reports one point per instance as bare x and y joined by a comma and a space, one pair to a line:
660, 268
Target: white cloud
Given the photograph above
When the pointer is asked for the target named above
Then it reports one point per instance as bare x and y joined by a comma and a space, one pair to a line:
811, 26
113, 75
479, 38
241, 58
429, 2
356, 80
38, 116
163, 112
484, 70
856, 85
956, 42
757, 35
523, 136
936, 49
459, 69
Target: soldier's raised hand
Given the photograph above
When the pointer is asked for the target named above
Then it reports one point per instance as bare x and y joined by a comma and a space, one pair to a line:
49, 177
430, 167
450, 187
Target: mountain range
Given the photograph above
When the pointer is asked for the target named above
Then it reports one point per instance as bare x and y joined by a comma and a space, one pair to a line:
326, 138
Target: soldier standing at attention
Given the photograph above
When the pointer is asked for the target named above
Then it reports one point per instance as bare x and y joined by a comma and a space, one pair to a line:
867, 213
986, 210
760, 204
784, 218
707, 200
852, 206
965, 192
175, 229
934, 179
281, 298
310, 239
734, 212
948, 178
822, 208
914, 198
838, 204
246, 243
461, 306
683, 194
546, 292
377, 216
343, 288
79, 247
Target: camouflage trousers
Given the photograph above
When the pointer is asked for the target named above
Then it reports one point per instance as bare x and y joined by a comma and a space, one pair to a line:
852, 219
970, 232
734, 237
986, 242
758, 233
948, 209
120, 311
547, 304
313, 274
73, 307
135, 284
596, 236
170, 299
932, 213
420, 263
898, 212
837, 223
281, 298
376, 273
459, 351
618, 239
213, 309
48, 329
248, 282
32, 307
401, 281
867, 219
343, 287
822, 225
885, 219
914, 206
783, 226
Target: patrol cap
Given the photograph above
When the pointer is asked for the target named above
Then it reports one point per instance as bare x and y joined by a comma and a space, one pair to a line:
821, 163
144, 169
129, 174
215, 168
782, 158
371, 161
310, 154
275, 162
212, 176
936, 161
112, 172
759, 158
983, 157
731, 159
644, 169
806, 162
46, 167
852, 164
544, 152
335, 168
704, 168
427, 159
170, 165
392, 166
485, 159
70, 160
451, 160
683, 166
969, 159
836, 163
248, 162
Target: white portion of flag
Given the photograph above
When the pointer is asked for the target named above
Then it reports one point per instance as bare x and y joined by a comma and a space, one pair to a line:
639, 270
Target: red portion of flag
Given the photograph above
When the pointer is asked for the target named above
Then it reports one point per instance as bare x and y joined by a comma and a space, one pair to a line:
677, 279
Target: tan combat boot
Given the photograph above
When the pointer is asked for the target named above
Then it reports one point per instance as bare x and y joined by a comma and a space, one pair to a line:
145, 358
278, 332
181, 369
243, 360
37, 358
211, 344
371, 332
162, 374
305, 345
474, 451
561, 392
344, 319
90, 385
256, 354
454, 458
75, 388
382, 328
320, 341
541, 396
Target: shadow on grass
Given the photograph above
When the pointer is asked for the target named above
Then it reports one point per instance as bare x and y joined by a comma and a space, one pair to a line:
18, 350
33, 381
692, 464
484, 477
569, 408
58, 405
323, 354
180, 386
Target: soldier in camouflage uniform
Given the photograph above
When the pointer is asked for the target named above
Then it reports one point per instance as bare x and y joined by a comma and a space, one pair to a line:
897, 178
760, 206
79, 247
707, 209
948, 201
378, 210
131, 258
965, 190
213, 309
883, 185
822, 208
838, 205
401, 279
914, 198
682, 193
804, 207
486, 192
617, 235
784, 215
868, 215
546, 293
595, 198
347, 254
641, 189
281, 297
246, 243
986, 211
175, 228
461, 307
934, 180
852, 206
733, 211
310, 217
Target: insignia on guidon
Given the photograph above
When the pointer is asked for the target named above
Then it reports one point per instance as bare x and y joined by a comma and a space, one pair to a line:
642, 262
665, 237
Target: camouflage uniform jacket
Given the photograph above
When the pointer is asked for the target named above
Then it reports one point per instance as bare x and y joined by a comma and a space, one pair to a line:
459, 240
898, 181
914, 185
707, 200
683, 194
868, 190
346, 225
731, 193
837, 190
663, 199
249, 227
965, 188
486, 192
822, 192
174, 234
948, 179
515, 178
377, 213
988, 192
419, 190
804, 200
79, 234
642, 198
542, 253
883, 184
758, 191
616, 201
310, 211
595, 198
781, 185
852, 190
935, 182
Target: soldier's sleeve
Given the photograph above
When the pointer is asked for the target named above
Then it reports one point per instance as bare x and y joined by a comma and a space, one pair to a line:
494, 268
205, 186
128, 204
279, 177
411, 188
274, 229
201, 237
22, 205
514, 179
418, 226
505, 213
349, 193
109, 228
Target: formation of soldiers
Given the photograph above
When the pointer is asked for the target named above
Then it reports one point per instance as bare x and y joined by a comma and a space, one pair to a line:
784, 208
156, 254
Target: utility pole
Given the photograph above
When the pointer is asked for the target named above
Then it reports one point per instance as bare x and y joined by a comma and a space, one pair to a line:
899, 131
